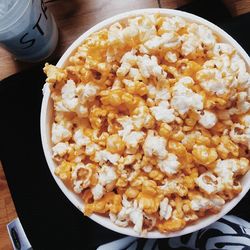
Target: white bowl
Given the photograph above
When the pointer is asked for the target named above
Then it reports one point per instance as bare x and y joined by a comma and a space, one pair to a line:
46, 121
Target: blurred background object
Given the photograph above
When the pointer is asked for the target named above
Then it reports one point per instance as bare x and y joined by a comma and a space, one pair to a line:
27, 29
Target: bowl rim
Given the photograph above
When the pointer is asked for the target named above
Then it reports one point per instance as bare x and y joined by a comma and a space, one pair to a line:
104, 221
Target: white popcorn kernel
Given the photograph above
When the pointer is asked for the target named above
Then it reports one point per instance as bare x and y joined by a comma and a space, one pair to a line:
187, 81
128, 60
223, 48
158, 94
174, 186
107, 175
209, 183
190, 44
155, 145
204, 34
115, 33
246, 120
185, 99
104, 155
60, 107
239, 67
69, 98
80, 139
190, 217
217, 201
173, 23
60, 133
134, 73
162, 94
171, 57
136, 216
147, 168
141, 118
240, 134
165, 209
208, 119
211, 80
82, 111
226, 169
127, 125
122, 218
168, 40
170, 165
79, 185
60, 149
132, 140
91, 148
153, 43
200, 203
149, 66
163, 113
86, 92
143, 49
97, 191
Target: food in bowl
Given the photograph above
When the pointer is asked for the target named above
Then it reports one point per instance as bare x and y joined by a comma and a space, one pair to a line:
151, 122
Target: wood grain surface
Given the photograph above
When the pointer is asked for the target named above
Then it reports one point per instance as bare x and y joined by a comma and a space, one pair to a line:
7, 211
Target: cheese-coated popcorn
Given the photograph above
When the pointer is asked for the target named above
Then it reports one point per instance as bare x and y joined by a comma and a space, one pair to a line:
151, 122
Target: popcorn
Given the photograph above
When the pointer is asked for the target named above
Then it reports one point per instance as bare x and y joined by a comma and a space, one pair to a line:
80, 184
190, 44
165, 209
127, 125
132, 141
204, 34
170, 57
173, 24
91, 148
170, 165
163, 113
121, 219
106, 175
239, 67
174, 186
68, 95
209, 183
166, 41
152, 122
158, 94
212, 81
136, 217
86, 92
246, 120
80, 139
155, 146
223, 48
128, 60
149, 66
104, 155
97, 191
200, 203
240, 134
60, 133
60, 149
185, 99
226, 169
208, 119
